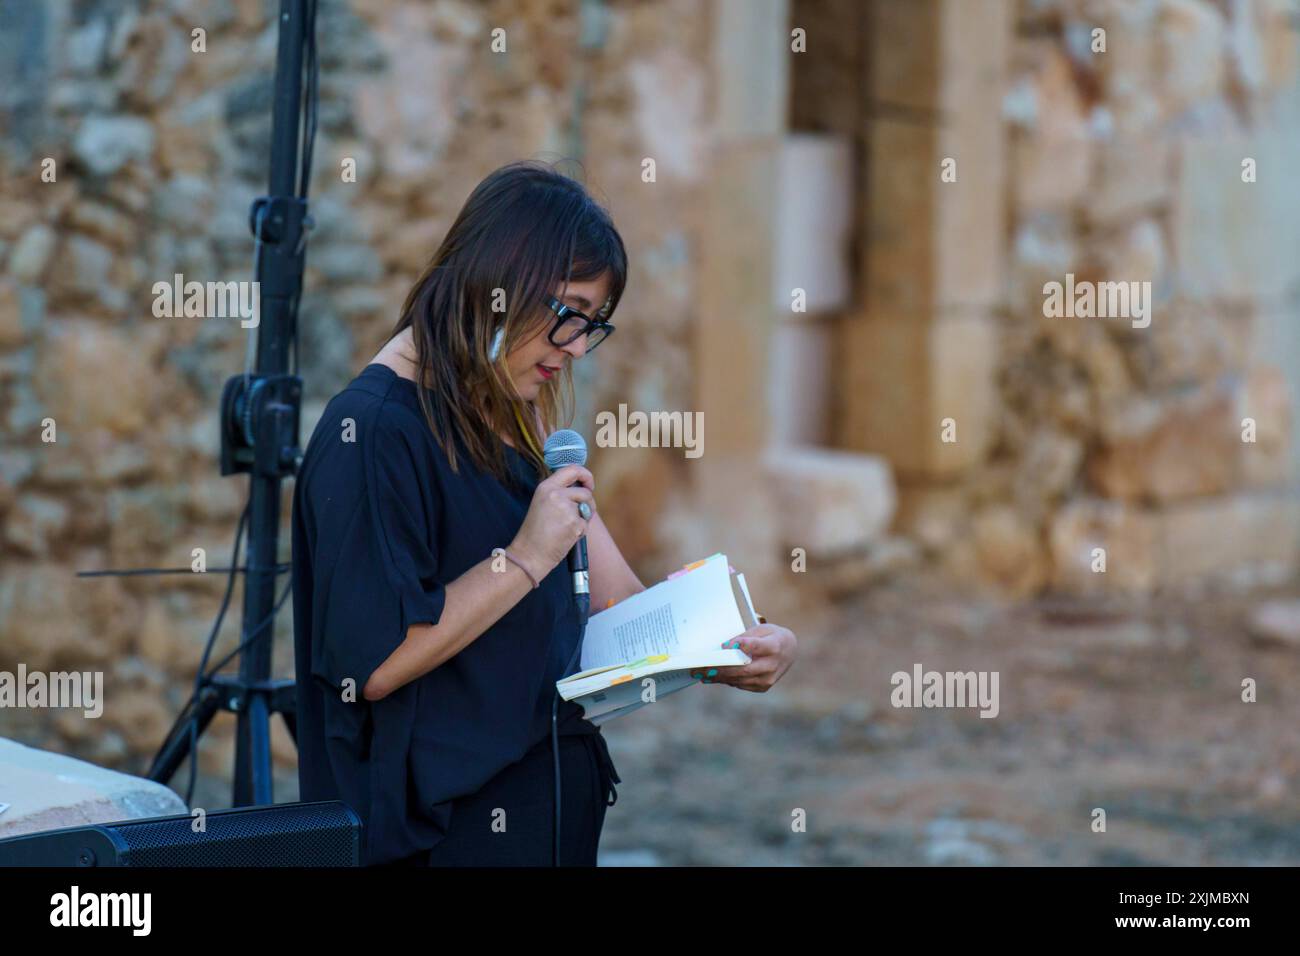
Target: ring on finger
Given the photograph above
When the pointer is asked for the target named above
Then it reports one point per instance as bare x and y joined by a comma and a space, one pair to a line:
584, 509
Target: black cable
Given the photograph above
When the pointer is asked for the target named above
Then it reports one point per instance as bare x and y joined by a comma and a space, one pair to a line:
311, 113
140, 572
188, 718
254, 634
191, 704
584, 605
312, 99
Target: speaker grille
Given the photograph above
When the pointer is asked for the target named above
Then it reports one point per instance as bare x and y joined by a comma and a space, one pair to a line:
304, 834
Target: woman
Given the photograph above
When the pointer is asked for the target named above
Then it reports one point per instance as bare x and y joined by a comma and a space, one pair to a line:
426, 656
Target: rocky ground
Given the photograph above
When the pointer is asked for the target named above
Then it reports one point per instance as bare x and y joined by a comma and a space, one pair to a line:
1133, 709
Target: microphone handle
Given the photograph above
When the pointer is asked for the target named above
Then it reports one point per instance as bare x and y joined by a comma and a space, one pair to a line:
578, 566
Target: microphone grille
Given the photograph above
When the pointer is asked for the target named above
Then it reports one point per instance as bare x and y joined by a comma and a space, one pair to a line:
564, 447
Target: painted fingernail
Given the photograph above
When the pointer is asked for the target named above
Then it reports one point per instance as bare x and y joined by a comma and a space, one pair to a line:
711, 672
696, 676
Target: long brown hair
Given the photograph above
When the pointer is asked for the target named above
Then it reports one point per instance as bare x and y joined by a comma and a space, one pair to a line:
523, 230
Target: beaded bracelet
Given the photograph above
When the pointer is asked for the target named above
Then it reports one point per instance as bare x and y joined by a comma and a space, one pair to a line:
510, 557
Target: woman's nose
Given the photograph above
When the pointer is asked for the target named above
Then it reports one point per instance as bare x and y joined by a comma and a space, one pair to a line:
577, 348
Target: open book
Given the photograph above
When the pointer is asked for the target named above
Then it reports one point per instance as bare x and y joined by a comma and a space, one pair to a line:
648, 645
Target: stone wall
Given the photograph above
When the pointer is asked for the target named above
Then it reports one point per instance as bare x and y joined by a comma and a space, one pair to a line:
1132, 164
1023, 443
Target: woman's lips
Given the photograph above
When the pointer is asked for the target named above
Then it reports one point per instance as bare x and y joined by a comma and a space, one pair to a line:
546, 371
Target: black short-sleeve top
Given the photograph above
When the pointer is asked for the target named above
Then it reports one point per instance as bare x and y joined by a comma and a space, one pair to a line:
381, 525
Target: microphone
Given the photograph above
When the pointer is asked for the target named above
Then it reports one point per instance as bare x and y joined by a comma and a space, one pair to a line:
567, 447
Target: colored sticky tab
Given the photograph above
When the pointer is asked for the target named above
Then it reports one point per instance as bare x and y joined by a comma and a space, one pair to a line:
695, 564
652, 659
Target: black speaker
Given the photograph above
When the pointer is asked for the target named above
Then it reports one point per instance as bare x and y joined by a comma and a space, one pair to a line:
325, 834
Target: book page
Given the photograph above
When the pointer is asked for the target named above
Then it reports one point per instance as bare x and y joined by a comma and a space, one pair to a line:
631, 692
608, 715
695, 611
602, 678
749, 617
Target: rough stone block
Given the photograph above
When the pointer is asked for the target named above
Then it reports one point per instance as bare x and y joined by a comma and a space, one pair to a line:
930, 244
799, 383
90, 378
732, 338
1125, 534
1190, 52
904, 377
1052, 151
1180, 447
1276, 340
1246, 538
1130, 177
814, 224
1269, 400
830, 502
1252, 537
752, 61
49, 791
1235, 240
946, 54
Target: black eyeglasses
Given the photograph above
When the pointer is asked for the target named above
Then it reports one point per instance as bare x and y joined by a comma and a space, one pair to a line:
571, 325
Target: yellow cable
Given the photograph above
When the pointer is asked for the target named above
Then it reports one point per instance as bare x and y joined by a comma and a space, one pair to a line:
528, 435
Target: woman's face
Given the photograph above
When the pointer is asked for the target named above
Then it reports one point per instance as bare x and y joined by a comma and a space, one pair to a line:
532, 363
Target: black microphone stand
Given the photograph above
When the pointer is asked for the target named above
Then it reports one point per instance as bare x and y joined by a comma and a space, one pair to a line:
260, 428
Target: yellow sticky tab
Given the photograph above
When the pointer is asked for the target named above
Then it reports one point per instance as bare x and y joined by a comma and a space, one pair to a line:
653, 659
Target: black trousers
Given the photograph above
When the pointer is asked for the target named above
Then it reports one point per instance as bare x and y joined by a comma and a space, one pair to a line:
510, 821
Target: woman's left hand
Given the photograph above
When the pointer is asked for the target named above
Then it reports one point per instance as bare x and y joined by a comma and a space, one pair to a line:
772, 648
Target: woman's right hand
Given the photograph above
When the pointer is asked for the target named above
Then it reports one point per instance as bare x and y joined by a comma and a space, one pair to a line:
553, 526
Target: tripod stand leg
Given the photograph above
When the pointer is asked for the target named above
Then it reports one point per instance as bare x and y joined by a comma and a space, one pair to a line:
253, 747
177, 747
